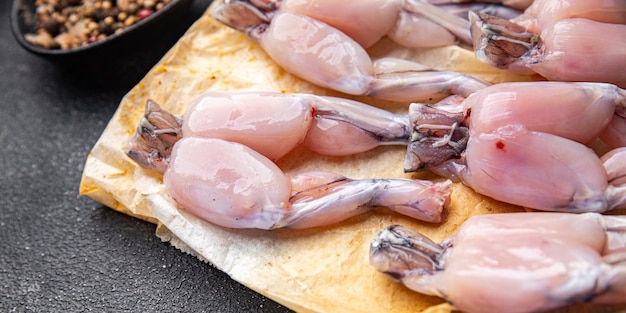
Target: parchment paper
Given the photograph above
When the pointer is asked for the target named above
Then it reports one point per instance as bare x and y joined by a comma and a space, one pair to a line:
315, 270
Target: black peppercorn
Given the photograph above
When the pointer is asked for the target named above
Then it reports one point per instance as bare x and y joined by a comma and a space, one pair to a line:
65, 24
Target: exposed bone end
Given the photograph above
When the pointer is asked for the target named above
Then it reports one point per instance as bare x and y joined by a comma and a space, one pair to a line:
423, 200
501, 43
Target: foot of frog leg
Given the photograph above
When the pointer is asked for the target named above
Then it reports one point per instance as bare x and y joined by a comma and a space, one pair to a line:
501, 43
156, 135
439, 134
243, 16
408, 257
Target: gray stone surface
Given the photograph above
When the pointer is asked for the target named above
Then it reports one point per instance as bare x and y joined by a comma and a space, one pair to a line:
64, 253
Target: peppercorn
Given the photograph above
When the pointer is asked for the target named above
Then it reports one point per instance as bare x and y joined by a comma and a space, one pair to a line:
50, 25
106, 5
65, 24
144, 13
132, 8
123, 5
149, 4
129, 21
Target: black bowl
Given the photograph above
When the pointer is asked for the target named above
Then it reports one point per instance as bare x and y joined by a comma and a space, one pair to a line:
23, 21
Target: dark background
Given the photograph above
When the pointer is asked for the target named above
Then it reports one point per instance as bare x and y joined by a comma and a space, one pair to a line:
61, 252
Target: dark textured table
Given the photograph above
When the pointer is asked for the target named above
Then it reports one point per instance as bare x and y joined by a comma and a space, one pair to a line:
65, 253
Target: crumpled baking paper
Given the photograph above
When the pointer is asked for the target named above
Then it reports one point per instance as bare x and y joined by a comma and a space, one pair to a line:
315, 270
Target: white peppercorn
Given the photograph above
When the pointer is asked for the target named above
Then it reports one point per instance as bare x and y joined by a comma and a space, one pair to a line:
65, 24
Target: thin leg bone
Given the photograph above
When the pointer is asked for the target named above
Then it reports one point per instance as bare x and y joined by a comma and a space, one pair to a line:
456, 25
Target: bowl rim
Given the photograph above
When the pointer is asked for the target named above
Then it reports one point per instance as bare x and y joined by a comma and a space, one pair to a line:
19, 34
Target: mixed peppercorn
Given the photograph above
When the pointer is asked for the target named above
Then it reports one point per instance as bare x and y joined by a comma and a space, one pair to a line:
66, 24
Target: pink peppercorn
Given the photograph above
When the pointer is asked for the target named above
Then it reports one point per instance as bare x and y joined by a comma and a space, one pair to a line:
144, 13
